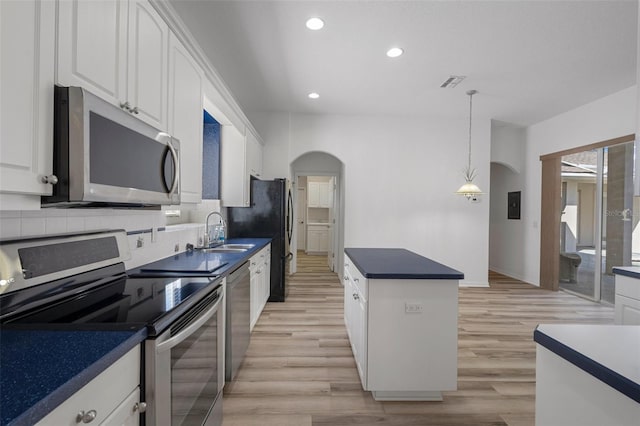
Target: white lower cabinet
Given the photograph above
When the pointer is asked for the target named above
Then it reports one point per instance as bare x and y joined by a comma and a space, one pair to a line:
260, 269
355, 316
402, 353
112, 398
317, 238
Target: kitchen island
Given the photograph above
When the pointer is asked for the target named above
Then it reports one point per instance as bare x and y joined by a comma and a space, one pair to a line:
401, 314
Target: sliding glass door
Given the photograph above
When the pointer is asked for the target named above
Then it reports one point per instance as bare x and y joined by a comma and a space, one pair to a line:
597, 221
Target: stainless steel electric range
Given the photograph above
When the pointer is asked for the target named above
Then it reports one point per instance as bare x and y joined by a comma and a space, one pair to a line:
79, 281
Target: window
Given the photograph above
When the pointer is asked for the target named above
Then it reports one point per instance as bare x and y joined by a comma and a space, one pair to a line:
210, 158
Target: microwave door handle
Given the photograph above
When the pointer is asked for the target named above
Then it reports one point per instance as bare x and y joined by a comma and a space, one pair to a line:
176, 163
178, 338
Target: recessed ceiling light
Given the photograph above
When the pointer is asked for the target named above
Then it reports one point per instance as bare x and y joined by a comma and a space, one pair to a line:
313, 95
394, 52
315, 23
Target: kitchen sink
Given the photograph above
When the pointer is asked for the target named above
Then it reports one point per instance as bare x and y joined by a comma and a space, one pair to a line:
228, 248
236, 246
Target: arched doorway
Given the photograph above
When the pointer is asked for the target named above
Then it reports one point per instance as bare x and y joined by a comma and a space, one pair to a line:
318, 175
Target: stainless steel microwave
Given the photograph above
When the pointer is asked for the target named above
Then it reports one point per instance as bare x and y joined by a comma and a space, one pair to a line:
105, 156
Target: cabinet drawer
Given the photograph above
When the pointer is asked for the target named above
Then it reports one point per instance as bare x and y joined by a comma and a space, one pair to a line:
627, 311
356, 276
103, 394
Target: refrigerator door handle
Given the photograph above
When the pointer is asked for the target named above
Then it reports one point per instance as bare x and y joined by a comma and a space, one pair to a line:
288, 256
289, 216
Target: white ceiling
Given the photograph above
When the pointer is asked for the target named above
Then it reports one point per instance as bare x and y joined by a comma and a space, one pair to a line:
529, 60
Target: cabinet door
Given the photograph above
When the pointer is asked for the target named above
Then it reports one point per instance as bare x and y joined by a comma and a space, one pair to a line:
360, 337
186, 118
313, 194
92, 47
126, 414
323, 240
234, 177
254, 155
27, 34
313, 240
148, 65
324, 200
253, 300
267, 277
114, 385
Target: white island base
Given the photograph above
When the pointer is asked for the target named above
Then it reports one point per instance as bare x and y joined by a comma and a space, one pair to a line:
402, 323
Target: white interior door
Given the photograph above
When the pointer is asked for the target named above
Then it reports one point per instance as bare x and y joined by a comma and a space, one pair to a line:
301, 207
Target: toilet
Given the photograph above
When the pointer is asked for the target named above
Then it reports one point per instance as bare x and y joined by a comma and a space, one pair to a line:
569, 263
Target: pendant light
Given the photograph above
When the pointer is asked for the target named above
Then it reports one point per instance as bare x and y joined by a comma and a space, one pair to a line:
469, 189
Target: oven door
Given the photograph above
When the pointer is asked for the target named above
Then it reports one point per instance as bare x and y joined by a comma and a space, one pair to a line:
184, 367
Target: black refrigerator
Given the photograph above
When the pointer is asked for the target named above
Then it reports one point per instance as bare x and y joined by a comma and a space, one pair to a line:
270, 215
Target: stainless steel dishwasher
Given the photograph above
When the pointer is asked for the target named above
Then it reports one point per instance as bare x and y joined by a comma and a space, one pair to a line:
238, 319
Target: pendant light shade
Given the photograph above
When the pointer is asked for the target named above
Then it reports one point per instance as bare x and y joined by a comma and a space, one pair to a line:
469, 189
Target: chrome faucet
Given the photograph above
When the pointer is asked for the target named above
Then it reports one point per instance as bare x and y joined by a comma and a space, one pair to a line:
207, 233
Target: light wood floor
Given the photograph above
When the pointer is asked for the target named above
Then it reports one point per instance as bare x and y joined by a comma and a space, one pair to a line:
299, 369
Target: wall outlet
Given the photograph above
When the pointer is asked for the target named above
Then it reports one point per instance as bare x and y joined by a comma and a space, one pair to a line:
412, 308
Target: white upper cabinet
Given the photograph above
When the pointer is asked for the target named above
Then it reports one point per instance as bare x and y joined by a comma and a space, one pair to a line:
147, 68
27, 37
234, 177
319, 194
254, 155
118, 51
186, 117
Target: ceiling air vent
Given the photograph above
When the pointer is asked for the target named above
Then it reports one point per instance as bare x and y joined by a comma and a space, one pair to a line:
453, 81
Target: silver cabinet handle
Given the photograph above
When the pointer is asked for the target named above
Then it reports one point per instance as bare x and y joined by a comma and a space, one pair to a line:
86, 417
125, 106
355, 296
51, 179
140, 407
134, 110
356, 280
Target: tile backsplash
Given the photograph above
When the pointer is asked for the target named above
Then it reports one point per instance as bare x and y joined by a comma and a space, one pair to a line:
154, 244
26, 223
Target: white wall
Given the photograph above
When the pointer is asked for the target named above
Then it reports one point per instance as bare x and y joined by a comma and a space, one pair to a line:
400, 177
606, 118
507, 145
506, 253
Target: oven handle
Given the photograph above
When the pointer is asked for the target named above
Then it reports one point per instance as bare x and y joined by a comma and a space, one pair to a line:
178, 338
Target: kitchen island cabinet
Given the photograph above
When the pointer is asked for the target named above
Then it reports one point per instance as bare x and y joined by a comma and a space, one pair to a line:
401, 314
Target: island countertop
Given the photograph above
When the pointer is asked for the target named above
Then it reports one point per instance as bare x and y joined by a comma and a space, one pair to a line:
396, 263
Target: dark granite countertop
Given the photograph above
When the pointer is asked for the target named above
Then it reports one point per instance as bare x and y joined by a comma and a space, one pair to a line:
40, 369
629, 271
395, 263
